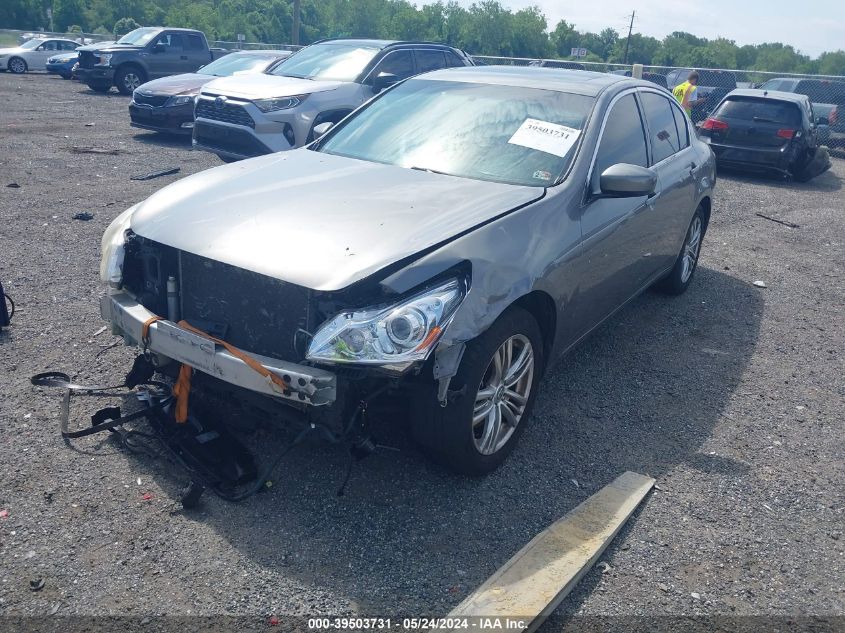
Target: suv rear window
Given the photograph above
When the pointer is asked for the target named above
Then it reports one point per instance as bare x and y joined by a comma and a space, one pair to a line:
761, 110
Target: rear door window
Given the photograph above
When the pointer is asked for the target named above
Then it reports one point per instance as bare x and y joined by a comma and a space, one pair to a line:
661, 126
761, 111
195, 43
429, 59
623, 139
454, 60
681, 124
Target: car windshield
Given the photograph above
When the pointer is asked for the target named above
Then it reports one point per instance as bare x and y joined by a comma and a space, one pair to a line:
331, 62
32, 44
516, 135
237, 63
139, 37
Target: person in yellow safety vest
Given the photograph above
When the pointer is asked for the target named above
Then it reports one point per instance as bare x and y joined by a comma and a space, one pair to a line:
687, 92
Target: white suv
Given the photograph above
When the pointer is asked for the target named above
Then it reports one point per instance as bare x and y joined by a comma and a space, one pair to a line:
243, 116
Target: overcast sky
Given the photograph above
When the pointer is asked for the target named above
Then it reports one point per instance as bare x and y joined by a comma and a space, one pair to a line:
812, 26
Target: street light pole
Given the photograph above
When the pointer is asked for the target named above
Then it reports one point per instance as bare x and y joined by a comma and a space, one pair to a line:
294, 39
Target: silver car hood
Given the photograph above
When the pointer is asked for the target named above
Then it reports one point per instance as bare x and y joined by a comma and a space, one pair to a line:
317, 220
261, 86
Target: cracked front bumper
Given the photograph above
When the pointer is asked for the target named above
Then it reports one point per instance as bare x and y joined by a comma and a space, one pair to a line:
308, 385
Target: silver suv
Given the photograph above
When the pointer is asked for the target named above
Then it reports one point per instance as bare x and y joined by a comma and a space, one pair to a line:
243, 116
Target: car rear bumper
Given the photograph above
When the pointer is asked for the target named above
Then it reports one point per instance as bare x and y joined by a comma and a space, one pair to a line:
776, 159
172, 120
308, 385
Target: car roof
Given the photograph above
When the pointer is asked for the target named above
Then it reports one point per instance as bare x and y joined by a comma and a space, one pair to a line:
583, 82
767, 94
379, 43
264, 51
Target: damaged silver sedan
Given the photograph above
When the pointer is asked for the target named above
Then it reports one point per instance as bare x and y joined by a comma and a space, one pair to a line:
446, 242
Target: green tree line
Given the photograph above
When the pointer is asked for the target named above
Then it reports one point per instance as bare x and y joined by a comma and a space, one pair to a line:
484, 28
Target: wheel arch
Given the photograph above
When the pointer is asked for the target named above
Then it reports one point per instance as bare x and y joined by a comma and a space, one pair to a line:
706, 205
542, 307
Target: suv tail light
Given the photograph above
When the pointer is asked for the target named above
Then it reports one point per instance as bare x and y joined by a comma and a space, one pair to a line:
833, 117
786, 133
714, 125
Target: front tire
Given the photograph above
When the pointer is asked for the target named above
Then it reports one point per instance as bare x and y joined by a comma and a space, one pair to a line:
677, 281
128, 78
17, 65
497, 384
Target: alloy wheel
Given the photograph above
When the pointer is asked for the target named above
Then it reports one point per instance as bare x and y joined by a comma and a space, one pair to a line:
17, 66
503, 394
692, 247
131, 81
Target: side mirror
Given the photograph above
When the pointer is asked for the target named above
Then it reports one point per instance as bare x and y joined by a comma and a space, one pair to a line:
159, 48
41, 48
321, 129
384, 80
627, 181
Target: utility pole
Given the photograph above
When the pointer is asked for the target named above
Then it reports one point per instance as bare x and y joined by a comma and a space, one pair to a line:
294, 37
630, 29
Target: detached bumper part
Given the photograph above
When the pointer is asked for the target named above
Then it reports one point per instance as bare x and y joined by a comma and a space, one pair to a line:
308, 385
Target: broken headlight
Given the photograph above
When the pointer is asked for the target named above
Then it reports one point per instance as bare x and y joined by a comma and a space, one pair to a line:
112, 249
394, 335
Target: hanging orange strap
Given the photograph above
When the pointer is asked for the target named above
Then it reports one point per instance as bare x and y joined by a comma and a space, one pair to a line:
182, 388
145, 329
246, 358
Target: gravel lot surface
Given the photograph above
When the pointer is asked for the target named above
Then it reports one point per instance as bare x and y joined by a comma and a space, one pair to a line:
731, 396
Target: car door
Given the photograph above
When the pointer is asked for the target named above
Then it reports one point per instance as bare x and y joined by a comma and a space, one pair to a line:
37, 59
616, 232
168, 55
399, 63
674, 161
196, 52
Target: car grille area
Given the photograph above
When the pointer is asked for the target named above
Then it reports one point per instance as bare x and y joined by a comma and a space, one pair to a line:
87, 59
150, 99
228, 139
253, 312
224, 111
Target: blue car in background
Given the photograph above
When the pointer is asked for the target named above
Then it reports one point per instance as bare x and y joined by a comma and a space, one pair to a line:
62, 64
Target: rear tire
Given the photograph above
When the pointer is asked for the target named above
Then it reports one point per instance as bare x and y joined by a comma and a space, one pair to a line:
677, 281
497, 380
17, 65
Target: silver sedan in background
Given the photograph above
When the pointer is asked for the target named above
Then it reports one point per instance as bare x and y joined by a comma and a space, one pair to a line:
33, 54
446, 242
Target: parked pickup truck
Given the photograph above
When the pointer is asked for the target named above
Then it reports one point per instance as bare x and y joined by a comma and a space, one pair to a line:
827, 96
143, 54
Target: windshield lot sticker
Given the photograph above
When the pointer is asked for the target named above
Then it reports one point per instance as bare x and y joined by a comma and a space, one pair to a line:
546, 137
542, 175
